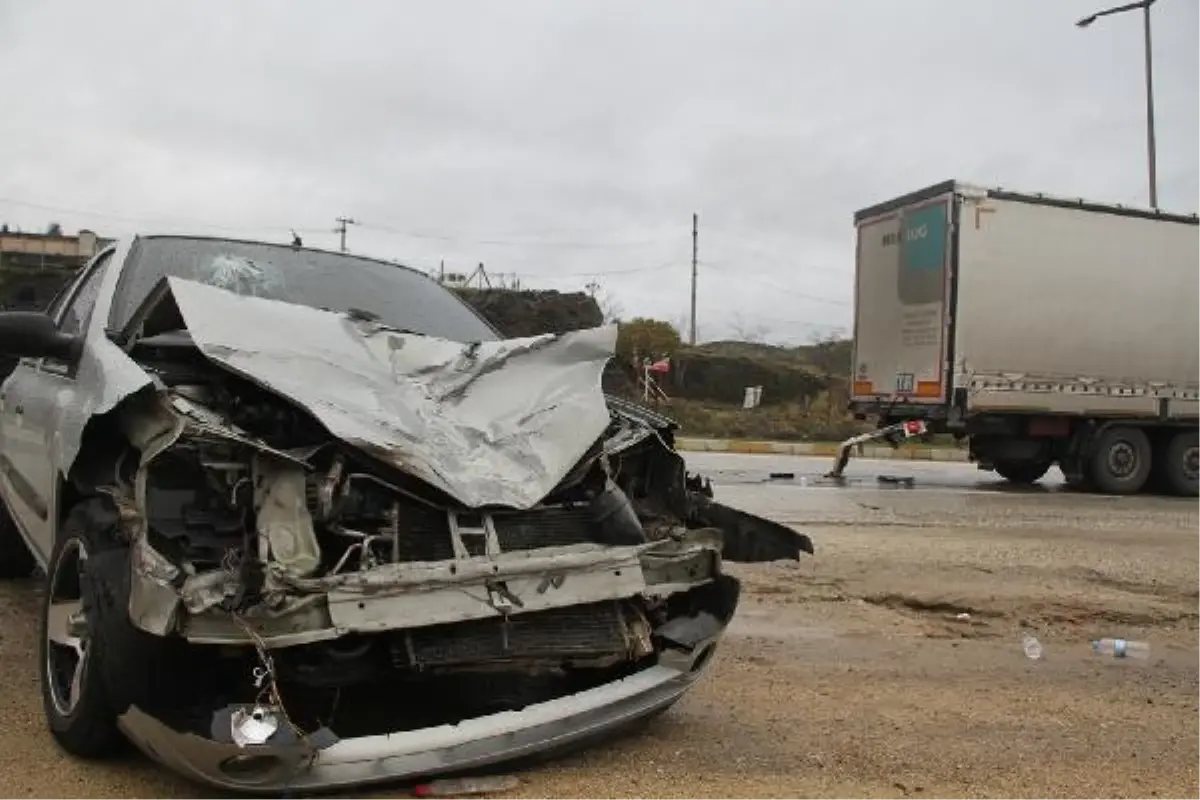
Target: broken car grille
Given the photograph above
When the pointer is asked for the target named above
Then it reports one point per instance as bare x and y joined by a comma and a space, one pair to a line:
425, 532
577, 633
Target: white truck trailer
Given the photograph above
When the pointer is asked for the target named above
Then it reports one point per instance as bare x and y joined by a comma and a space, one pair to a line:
1043, 330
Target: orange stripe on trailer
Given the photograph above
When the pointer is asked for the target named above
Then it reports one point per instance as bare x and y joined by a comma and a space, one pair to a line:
864, 387
929, 388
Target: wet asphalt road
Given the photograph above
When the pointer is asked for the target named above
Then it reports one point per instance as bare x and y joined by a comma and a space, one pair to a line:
808, 472
794, 490
888, 664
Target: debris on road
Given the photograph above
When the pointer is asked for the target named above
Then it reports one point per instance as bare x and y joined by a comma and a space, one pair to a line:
782, 476
1121, 648
461, 787
1032, 647
894, 435
898, 480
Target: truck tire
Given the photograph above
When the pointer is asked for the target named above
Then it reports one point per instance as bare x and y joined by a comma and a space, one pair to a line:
1022, 472
1120, 461
73, 649
1178, 463
15, 559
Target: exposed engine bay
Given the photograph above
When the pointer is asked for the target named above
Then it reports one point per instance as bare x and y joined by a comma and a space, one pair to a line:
293, 588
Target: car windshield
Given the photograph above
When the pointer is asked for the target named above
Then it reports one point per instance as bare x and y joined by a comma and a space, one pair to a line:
394, 295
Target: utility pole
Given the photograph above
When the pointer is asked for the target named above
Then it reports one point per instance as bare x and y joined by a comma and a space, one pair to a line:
695, 251
342, 222
1151, 156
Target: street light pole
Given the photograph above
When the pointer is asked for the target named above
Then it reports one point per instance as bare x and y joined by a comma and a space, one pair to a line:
1150, 149
1151, 156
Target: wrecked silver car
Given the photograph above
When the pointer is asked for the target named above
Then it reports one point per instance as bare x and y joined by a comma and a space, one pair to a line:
307, 521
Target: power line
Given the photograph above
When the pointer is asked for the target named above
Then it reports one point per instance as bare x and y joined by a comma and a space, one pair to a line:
153, 220
829, 326
731, 240
599, 273
440, 237
742, 274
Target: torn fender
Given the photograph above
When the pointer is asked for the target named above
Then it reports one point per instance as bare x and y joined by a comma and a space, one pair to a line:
495, 423
749, 538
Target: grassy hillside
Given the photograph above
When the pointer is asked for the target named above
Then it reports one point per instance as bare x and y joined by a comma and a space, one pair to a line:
829, 357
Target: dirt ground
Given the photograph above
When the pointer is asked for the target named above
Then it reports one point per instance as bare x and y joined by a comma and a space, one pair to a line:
852, 674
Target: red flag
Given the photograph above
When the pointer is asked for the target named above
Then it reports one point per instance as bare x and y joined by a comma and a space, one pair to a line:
661, 366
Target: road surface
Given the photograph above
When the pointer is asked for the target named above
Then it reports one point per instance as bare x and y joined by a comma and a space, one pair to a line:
889, 664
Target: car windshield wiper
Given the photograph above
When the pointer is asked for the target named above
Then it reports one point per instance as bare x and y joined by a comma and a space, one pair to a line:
362, 315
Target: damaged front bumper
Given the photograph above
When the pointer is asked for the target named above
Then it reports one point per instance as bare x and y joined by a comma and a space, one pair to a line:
496, 738
664, 660
416, 594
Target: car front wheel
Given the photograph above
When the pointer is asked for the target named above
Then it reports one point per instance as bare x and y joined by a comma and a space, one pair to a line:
78, 710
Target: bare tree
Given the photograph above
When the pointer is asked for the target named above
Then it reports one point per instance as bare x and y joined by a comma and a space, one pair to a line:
681, 323
744, 331
610, 308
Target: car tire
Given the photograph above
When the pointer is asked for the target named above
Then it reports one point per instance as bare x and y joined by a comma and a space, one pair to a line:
75, 696
1178, 463
1023, 472
16, 561
1121, 460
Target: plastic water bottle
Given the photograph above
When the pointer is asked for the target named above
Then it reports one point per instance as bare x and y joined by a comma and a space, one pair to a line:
1031, 646
1121, 648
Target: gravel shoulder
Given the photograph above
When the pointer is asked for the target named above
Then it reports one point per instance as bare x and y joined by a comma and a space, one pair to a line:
853, 673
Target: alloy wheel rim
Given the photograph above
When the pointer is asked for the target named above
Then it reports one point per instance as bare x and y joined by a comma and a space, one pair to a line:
67, 639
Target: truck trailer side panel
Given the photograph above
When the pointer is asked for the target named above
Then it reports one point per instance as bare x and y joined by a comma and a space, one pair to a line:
1080, 310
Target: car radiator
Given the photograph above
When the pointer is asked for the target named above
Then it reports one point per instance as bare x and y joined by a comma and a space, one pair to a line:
594, 632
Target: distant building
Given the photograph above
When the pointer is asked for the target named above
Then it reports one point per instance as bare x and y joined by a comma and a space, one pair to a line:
34, 266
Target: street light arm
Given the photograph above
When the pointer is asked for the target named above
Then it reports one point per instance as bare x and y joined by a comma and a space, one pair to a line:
1088, 20
1151, 150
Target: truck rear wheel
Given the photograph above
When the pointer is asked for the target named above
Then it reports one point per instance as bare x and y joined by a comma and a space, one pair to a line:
1121, 460
1179, 463
1023, 472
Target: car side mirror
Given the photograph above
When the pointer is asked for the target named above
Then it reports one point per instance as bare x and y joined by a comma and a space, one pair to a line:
30, 334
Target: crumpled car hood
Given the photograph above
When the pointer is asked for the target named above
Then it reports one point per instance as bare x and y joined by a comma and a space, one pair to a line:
491, 423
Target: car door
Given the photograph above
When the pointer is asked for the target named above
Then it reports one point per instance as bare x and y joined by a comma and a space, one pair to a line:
18, 447
28, 400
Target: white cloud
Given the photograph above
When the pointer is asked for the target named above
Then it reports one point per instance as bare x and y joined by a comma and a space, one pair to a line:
581, 124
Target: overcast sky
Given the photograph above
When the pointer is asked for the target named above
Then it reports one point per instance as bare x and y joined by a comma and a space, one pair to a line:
570, 141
